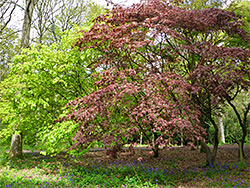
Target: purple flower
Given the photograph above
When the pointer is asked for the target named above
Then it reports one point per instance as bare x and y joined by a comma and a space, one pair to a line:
211, 165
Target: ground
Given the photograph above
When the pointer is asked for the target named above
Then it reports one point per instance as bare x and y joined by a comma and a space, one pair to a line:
176, 167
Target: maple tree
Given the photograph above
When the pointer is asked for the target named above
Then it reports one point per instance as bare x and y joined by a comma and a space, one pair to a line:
126, 103
156, 38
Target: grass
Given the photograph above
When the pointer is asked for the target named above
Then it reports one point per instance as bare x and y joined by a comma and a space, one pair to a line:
179, 167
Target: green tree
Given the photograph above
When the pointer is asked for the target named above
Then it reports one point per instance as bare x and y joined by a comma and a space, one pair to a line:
16, 141
233, 128
63, 14
203, 4
40, 85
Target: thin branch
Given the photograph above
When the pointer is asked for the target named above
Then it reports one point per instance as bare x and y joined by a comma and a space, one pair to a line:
11, 2
10, 16
236, 111
245, 114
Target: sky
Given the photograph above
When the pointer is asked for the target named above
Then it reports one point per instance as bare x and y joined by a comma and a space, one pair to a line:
101, 2
126, 2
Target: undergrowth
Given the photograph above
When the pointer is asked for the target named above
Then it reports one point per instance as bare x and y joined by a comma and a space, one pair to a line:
34, 170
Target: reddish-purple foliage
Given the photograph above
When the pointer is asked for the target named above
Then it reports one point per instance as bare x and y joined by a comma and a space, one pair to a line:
126, 103
122, 33
148, 45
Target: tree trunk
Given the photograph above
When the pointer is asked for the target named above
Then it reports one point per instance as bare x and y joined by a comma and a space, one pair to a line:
141, 138
16, 143
243, 124
156, 151
211, 155
156, 145
182, 138
27, 23
16, 146
241, 151
221, 130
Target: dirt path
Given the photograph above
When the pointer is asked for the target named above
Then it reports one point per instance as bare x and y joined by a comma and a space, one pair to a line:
226, 147
226, 153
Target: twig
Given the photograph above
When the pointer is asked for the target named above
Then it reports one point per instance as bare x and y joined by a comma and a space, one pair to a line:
136, 173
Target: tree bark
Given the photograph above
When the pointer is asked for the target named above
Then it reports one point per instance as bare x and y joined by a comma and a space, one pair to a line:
243, 124
25, 42
155, 145
141, 138
156, 151
211, 155
221, 130
241, 151
16, 149
16, 146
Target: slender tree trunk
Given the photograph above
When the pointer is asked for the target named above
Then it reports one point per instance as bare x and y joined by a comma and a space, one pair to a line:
182, 138
156, 145
243, 124
141, 138
156, 151
16, 148
241, 153
221, 130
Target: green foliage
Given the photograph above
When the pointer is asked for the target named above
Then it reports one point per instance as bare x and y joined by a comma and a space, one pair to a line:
242, 9
230, 120
41, 82
202, 4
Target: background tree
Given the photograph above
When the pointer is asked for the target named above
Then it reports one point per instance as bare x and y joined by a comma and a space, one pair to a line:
7, 9
8, 49
241, 9
16, 142
54, 17
233, 129
45, 11
8, 36
204, 4
42, 80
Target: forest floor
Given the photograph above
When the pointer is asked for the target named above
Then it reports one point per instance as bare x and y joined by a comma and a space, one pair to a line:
176, 167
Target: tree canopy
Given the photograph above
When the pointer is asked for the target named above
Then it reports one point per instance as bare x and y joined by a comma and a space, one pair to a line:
154, 38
